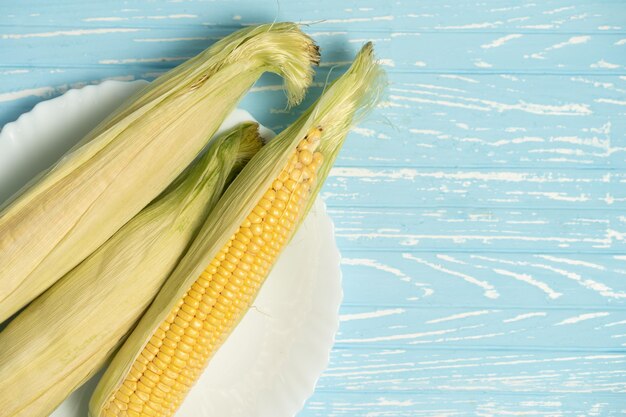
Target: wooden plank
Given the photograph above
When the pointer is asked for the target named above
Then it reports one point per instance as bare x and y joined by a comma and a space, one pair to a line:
428, 187
446, 404
482, 280
470, 328
407, 371
472, 52
350, 15
480, 229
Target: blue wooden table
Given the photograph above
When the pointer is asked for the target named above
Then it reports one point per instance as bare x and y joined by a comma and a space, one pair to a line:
479, 211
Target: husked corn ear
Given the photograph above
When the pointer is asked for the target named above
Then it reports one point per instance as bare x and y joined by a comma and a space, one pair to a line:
133, 155
64, 336
219, 277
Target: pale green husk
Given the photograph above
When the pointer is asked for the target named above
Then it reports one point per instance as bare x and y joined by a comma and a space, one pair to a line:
133, 155
64, 336
353, 94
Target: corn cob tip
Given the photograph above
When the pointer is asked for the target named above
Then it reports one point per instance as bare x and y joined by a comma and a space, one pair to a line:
251, 141
345, 103
249, 144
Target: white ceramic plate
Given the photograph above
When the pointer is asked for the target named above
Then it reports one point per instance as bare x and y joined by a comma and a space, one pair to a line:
269, 365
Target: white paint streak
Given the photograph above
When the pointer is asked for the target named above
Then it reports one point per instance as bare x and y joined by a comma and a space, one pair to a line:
574, 40
376, 265
501, 41
611, 101
570, 109
350, 20
531, 281
398, 34
386, 268
569, 261
589, 284
425, 131
142, 60
457, 339
543, 26
525, 316
516, 141
604, 64
595, 142
460, 316
413, 239
412, 174
449, 258
17, 71
526, 222
419, 64
541, 403
484, 25
75, 32
371, 314
105, 19
427, 86
489, 290
558, 10
390, 352
396, 337
582, 317
552, 195
191, 38
482, 64
620, 42
164, 17
169, 16
460, 77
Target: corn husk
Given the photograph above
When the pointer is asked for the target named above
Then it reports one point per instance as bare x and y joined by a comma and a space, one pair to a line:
350, 96
64, 336
133, 155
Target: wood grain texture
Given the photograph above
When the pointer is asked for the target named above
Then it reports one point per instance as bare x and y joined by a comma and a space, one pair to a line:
479, 211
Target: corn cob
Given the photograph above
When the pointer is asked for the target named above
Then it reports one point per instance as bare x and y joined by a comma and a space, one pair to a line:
133, 155
218, 278
65, 335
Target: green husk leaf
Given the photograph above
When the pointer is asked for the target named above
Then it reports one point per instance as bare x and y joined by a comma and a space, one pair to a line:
129, 158
347, 99
64, 336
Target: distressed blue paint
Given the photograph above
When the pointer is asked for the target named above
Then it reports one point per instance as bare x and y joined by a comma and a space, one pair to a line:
479, 210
